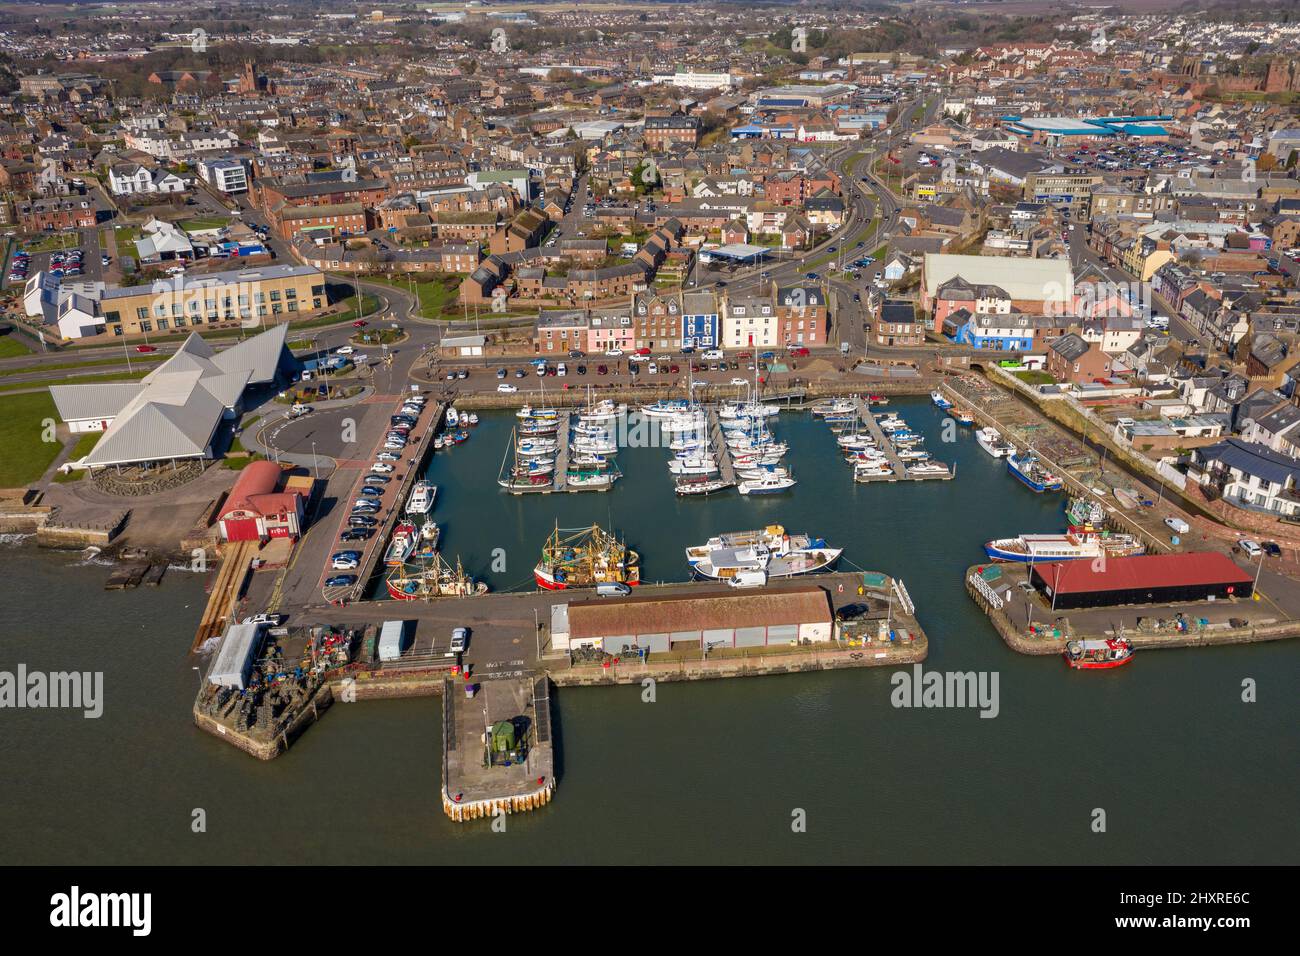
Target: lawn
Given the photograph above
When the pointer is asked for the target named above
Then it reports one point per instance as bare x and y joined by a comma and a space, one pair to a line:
24, 421
1035, 378
11, 346
79, 451
73, 380
436, 294
200, 223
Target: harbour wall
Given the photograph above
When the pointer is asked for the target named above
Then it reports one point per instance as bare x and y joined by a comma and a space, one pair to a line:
268, 748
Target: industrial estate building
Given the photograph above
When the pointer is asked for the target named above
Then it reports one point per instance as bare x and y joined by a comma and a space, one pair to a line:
1144, 579
658, 623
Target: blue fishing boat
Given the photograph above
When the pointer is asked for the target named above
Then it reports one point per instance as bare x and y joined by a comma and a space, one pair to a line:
1030, 471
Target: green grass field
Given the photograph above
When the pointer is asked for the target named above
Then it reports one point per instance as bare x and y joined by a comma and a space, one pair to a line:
24, 423
436, 295
80, 450
74, 380
11, 346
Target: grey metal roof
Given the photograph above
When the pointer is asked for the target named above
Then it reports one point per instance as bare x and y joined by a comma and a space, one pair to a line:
173, 411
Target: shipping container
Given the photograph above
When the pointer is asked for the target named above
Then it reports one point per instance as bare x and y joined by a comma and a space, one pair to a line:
392, 640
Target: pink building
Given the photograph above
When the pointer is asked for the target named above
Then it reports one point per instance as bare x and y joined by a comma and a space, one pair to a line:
610, 332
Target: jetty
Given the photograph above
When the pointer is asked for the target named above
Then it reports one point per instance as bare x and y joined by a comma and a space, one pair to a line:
722, 451
373, 552
498, 755
881, 439
562, 452
231, 576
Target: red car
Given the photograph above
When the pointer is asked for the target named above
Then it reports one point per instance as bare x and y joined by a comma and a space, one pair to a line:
642, 351
800, 352
146, 348
360, 324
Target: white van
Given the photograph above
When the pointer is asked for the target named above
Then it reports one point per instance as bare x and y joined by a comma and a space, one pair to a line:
712, 355
613, 589
1178, 525
748, 579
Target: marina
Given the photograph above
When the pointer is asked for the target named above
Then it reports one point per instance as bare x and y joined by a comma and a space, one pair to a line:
879, 448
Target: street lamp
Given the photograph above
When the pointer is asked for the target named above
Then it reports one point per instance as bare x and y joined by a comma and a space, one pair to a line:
314, 467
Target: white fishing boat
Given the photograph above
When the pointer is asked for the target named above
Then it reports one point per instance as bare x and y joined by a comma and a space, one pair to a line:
421, 500
453, 417
834, 406
990, 439
769, 549
1074, 545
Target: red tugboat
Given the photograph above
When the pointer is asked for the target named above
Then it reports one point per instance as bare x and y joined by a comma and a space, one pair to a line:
1099, 655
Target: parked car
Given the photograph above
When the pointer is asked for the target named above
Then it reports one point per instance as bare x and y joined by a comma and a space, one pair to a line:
459, 640
1251, 547
344, 564
501, 373
388, 456
507, 388
1271, 548
356, 534
146, 349
382, 468
362, 521
341, 581
271, 620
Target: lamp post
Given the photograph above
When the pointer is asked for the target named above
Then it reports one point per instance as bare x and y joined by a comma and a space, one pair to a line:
314, 468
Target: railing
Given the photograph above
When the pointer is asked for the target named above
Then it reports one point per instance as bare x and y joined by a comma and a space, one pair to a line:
986, 590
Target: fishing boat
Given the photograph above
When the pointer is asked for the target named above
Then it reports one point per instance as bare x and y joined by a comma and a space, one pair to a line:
426, 545
400, 546
698, 485
585, 558
458, 436
877, 399
421, 500
471, 418
769, 549
991, 441
940, 402
1077, 544
439, 442
453, 417
1030, 471
434, 579
1101, 654
767, 485
1084, 511
961, 416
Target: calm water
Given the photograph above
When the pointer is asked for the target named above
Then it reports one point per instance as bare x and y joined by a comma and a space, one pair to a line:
1184, 770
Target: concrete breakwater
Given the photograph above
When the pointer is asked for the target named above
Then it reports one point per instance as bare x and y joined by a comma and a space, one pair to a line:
811, 661
1041, 644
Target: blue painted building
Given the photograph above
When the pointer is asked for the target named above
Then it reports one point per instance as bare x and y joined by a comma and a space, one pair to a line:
701, 327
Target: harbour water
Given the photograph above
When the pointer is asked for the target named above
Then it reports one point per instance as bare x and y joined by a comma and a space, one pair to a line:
1185, 771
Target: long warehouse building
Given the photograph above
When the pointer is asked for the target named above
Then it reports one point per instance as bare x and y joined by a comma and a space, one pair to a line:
658, 623
1143, 579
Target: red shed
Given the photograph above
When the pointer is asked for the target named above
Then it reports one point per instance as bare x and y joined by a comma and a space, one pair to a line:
256, 510
1143, 579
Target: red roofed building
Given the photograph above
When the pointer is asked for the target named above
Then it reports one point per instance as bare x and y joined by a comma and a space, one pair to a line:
1144, 579
256, 511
